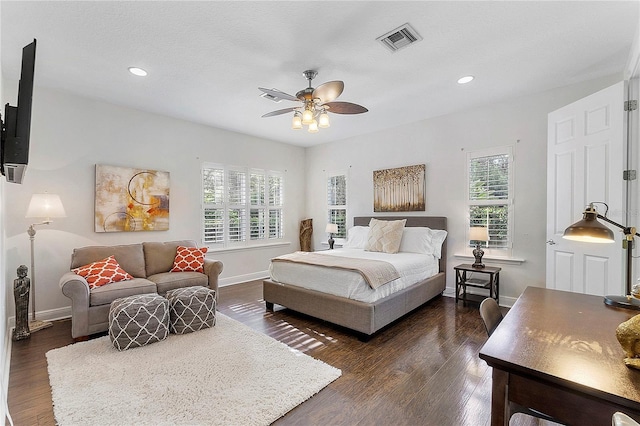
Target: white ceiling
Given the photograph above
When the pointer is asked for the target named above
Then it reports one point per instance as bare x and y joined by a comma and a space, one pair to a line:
206, 59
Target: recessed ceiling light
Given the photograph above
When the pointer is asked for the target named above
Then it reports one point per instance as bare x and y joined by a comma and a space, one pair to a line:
137, 71
465, 79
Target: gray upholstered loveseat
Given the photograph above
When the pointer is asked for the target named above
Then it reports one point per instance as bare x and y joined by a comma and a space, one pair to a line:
149, 263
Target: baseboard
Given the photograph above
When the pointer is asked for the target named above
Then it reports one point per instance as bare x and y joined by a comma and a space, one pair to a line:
243, 278
50, 315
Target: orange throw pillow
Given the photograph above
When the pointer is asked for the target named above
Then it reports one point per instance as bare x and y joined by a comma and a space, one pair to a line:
189, 259
105, 271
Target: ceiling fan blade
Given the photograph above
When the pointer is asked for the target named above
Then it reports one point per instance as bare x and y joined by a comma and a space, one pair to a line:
278, 94
328, 91
280, 111
345, 108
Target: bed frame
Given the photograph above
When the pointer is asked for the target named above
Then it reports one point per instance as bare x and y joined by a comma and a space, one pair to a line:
365, 318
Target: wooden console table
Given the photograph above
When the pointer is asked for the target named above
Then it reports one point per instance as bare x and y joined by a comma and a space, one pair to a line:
556, 352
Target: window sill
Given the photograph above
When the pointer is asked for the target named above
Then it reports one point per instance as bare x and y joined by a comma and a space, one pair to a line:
494, 259
251, 247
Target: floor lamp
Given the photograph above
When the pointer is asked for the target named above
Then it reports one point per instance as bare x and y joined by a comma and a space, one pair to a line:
590, 230
45, 206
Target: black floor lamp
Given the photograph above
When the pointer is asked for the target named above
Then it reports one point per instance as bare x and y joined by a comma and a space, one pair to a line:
590, 230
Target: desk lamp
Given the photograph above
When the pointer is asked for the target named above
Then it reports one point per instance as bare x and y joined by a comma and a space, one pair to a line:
591, 231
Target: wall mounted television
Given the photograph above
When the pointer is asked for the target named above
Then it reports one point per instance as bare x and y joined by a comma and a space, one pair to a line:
16, 126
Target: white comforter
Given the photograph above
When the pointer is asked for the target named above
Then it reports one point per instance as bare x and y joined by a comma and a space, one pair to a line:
412, 267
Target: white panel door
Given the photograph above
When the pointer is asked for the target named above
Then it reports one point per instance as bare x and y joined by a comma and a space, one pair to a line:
585, 160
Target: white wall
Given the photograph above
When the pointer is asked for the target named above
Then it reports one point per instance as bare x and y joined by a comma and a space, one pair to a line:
5, 338
70, 135
442, 143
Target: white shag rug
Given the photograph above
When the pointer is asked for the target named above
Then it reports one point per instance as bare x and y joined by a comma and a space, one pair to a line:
225, 375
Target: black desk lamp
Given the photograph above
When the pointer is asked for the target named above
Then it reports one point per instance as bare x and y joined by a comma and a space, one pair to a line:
590, 230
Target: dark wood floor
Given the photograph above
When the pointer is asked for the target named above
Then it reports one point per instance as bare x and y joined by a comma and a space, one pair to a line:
423, 369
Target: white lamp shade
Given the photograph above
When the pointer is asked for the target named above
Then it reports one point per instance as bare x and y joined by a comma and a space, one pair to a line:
296, 124
313, 126
478, 233
45, 206
332, 228
323, 120
307, 116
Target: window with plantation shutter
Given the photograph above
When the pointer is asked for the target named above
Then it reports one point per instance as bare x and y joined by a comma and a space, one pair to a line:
276, 190
490, 183
241, 206
337, 203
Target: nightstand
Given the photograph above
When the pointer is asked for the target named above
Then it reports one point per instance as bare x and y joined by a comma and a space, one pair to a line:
487, 278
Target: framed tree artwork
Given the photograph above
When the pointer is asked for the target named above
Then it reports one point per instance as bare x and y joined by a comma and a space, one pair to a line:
399, 190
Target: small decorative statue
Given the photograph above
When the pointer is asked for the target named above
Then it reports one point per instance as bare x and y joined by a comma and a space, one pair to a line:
21, 288
306, 229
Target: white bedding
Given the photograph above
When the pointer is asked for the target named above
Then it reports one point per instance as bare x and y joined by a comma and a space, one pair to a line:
413, 267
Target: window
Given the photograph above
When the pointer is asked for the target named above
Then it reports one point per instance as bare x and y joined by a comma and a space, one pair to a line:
241, 206
490, 183
337, 203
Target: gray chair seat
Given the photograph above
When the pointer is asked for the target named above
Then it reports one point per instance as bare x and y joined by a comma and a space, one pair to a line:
166, 281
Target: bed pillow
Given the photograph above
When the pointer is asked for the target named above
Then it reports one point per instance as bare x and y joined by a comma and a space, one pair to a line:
437, 238
385, 235
102, 272
356, 237
423, 240
417, 240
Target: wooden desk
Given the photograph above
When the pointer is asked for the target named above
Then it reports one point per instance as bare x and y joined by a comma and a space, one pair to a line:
557, 352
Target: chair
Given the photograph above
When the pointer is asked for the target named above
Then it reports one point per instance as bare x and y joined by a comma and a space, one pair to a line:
621, 419
490, 313
491, 316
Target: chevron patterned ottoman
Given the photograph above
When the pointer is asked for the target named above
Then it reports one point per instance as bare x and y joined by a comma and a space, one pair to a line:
138, 320
191, 309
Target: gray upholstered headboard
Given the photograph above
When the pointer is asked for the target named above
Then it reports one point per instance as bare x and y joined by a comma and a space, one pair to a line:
433, 222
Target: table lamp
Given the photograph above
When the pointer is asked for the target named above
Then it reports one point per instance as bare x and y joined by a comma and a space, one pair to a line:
478, 234
591, 231
332, 228
45, 206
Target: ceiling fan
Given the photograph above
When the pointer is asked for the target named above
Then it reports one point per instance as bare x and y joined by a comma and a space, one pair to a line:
315, 103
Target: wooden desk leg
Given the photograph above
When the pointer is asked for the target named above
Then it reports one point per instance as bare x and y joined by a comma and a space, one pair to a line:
500, 413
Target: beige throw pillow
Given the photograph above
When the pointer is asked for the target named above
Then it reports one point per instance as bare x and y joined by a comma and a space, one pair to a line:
385, 235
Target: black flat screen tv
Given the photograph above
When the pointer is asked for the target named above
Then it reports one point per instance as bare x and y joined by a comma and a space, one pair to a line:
16, 127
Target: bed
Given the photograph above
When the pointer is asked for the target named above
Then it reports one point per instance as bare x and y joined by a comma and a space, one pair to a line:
365, 317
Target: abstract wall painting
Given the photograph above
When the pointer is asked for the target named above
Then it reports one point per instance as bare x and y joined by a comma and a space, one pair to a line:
399, 190
131, 200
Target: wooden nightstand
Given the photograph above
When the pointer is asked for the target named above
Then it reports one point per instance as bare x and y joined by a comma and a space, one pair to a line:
466, 276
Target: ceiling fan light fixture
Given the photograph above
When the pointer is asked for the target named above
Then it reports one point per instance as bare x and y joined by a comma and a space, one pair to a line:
296, 123
313, 126
323, 120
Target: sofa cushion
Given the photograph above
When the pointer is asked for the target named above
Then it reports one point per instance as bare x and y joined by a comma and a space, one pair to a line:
159, 257
102, 272
108, 293
130, 257
169, 280
189, 259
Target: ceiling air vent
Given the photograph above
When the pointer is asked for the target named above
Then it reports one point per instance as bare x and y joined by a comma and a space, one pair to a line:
399, 38
271, 97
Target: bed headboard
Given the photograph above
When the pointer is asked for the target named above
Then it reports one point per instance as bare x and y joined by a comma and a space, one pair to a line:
433, 222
